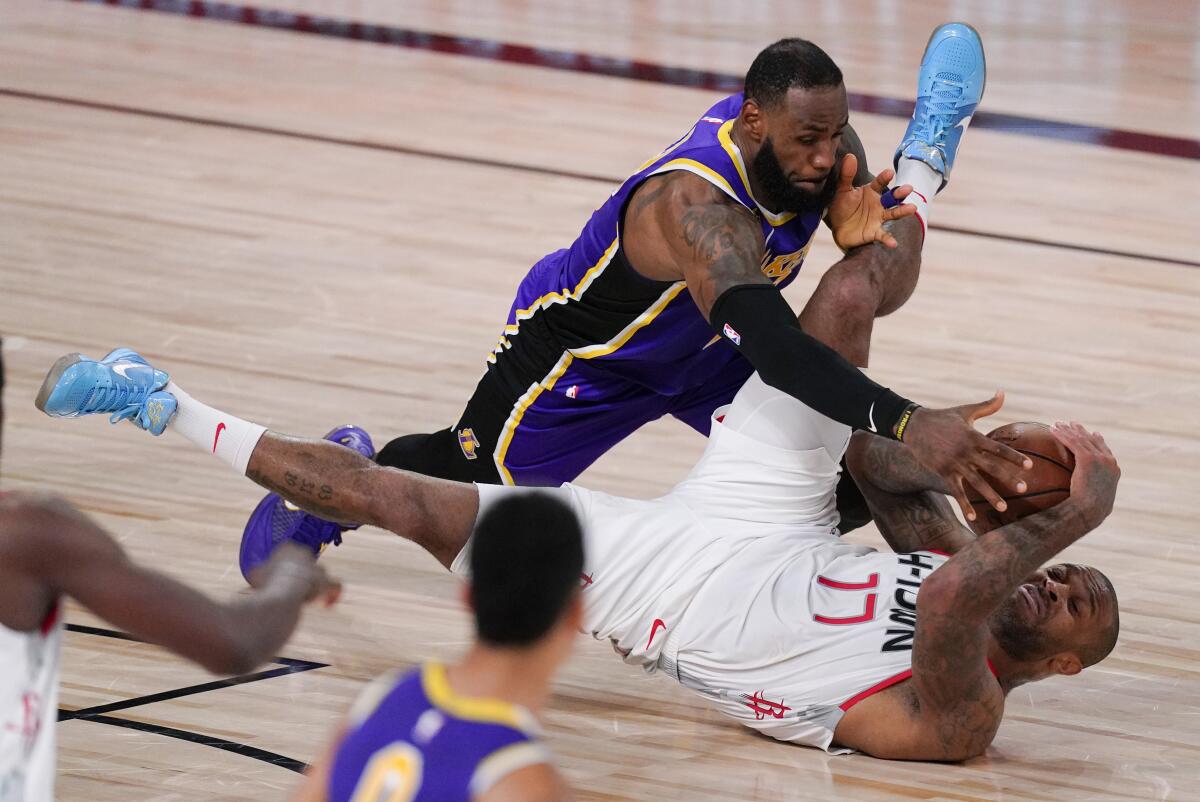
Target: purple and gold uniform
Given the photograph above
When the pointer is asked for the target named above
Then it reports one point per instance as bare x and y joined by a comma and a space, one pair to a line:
592, 350
412, 739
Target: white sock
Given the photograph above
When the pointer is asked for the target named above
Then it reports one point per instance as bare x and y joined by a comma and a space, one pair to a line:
925, 182
229, 439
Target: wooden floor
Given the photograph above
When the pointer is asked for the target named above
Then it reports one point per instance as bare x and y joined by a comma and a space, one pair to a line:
305, 283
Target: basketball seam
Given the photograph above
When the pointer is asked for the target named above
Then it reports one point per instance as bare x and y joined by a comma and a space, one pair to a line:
1018, 496
1051, 460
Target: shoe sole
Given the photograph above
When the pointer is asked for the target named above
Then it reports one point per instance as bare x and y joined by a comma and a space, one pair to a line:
56, 372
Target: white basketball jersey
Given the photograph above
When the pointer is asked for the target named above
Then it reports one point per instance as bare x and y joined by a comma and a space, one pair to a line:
791, 632
29, 710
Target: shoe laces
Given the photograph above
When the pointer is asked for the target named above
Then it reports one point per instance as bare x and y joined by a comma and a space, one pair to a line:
316, 532
118, 396
942, 107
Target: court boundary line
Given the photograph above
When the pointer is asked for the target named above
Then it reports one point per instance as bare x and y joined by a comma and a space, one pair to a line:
631, 69
245, 750
99, 713
480, 161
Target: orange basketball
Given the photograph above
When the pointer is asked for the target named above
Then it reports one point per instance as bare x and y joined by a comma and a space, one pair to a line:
1048, 482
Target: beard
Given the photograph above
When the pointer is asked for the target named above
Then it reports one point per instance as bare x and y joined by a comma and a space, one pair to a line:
784, 196
1020, 639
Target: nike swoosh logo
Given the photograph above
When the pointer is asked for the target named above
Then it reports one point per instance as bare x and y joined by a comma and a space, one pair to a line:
121, 367
658, 623
220, 428
871, 418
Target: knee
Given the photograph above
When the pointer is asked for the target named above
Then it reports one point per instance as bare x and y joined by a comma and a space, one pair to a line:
854, 290
438, 455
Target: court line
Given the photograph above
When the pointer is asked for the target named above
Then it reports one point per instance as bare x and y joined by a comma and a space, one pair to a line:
480, 161
98, 713
633, 69
275, 759
190, 690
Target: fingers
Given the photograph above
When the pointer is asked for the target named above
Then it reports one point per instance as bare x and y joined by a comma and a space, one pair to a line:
1010, 455
960, 497
983, 409
1080, 440
984, 489
1006, 472
849, 170
331, 593
880, 184
899, 211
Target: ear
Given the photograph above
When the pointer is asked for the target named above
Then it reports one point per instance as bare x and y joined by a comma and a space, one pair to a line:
1066, 664
467, 599
753, 120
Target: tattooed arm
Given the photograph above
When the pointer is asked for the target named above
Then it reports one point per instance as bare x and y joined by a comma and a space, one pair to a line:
907, 501
339, 484
680, 227
960, 703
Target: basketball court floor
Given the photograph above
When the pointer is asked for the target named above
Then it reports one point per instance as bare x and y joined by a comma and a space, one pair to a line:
312, 222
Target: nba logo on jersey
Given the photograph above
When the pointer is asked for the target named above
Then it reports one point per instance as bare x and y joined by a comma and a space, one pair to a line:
468, 442
732, 334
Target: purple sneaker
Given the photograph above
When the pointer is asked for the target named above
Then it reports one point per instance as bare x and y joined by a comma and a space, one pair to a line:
276, 521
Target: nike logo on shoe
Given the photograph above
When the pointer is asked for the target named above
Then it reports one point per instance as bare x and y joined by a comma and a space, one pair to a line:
870, 419
121, 367
220, 428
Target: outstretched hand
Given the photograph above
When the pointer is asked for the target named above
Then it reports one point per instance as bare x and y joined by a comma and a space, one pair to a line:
856, 215
946, 442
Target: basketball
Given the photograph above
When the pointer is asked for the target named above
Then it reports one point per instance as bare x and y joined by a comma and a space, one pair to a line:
1048, 482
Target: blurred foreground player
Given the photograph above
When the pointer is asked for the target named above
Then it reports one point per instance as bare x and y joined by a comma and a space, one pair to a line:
49, 550
467, 731
670, 296
736, 582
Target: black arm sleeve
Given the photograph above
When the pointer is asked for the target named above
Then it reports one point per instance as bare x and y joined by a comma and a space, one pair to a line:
757, 319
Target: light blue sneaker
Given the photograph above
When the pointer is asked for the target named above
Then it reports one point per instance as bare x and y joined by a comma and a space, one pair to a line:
949, 88
122, 383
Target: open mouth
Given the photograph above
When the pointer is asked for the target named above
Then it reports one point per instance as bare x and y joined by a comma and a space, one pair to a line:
1033, 601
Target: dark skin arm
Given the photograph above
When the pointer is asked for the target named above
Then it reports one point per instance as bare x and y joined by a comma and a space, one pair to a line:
50, 549
907, 501
340, 484
679, 226
952, 706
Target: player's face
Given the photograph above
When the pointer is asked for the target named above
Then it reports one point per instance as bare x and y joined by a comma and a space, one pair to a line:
796, 165
1058, 609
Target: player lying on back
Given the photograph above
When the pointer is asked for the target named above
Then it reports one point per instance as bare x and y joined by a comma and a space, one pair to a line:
467, 731
49, 550
736, 582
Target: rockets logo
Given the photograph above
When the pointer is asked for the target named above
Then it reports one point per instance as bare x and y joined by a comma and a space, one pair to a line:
763, 707
469, 443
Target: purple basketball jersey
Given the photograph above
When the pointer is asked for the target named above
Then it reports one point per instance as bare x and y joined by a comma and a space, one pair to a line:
580, 304
414, 739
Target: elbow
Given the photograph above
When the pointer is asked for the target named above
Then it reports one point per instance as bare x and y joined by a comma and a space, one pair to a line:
940, 594
856, 454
